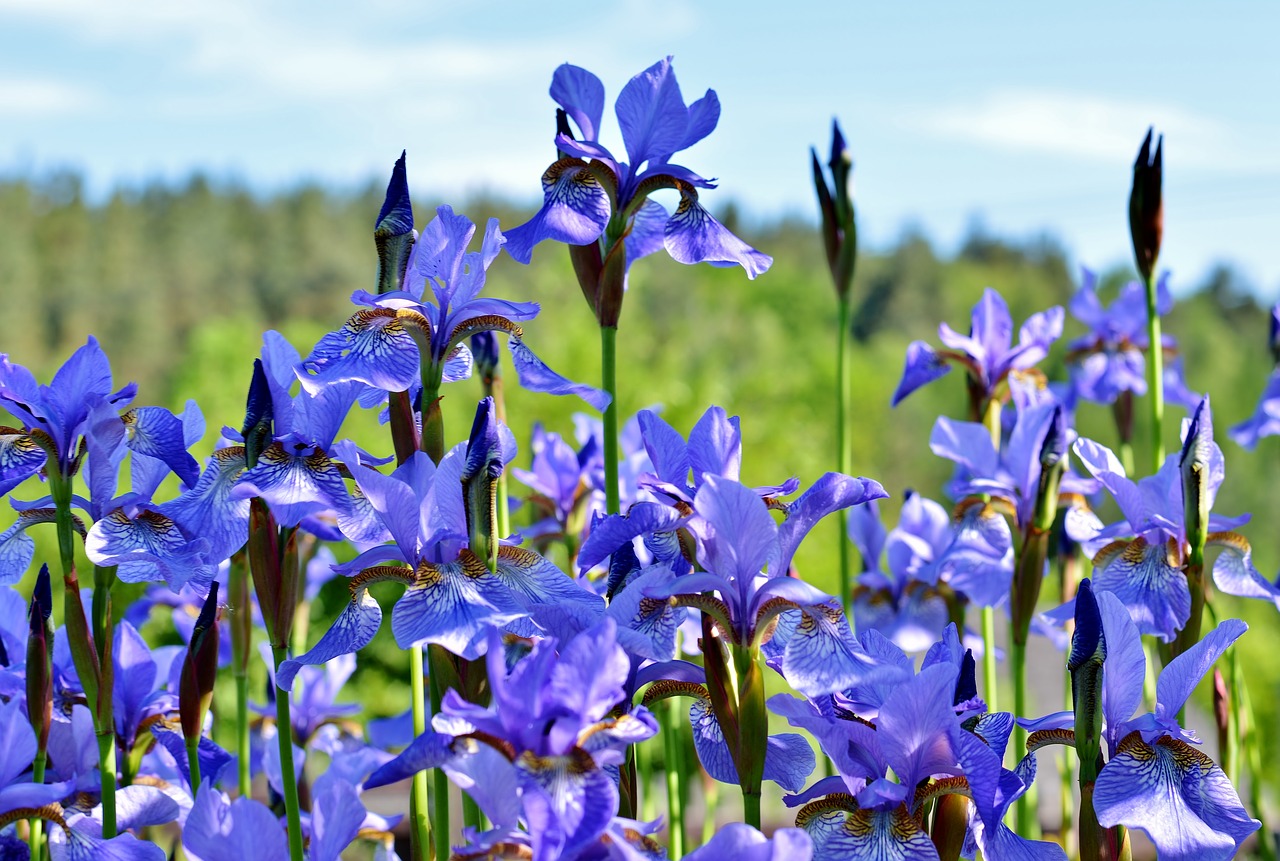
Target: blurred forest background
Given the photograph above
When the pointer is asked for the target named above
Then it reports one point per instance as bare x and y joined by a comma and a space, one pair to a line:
178, 283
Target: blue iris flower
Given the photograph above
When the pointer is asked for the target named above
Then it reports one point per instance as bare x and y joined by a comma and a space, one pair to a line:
591, 194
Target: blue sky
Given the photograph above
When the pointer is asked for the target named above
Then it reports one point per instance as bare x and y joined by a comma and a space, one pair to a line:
1027, 116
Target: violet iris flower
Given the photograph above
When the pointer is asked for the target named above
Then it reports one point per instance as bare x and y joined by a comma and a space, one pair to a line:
1154, 779
901, 603
1141, 557
561, 481
1110, 359
933, 732
590, 194
398, 336
1265, 420
137, 807
987, 352
452, 597
540, 752
740, 841
220, 829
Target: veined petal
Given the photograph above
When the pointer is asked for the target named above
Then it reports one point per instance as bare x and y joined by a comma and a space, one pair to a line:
1125, 671
17, 548
535, 583
429, 750
218, 829
841, 833
210, 511
580, 797
1183, 673
581, 95
148, 546
832, 492
821, 655
135, 678
648, 228
715, 446
646, 626
744, 537
916, 721
1175, 794
615, 530
294, 484
20, 458
374, 346
156, 432
1142, 576
336, 816
1233, 570
692, 235
966, 443
652, 114
575, 210
354, 629
923, 366
741, 842
453, 605
535, 376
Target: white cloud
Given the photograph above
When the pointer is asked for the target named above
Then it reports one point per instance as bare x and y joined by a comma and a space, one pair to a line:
25, 97
1096, 128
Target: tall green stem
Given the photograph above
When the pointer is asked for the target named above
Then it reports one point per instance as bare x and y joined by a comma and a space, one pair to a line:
1155, 375
990, 679
241, 635
844, 439
284, 735
419, 841
609, 381
673, 754
36, 825
1026, 815
440, 823
193, 762
753, 730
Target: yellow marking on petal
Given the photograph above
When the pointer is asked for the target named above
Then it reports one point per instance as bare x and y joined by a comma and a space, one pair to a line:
666, 688
1229, 541
576, 761
380, 574
231, 452
486, 323
1110, 552
1045, 737
840, 802
52, 812
943, 786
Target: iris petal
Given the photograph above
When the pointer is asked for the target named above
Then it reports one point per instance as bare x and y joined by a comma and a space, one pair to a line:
453, 605
210, 511
1145, 580
354, 629
575, 210
694, 236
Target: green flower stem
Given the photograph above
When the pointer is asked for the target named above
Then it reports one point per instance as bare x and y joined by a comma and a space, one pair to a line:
672, 754
1248, 731
1190, 635
1024, 808
1231, 755
241, 636
609, 381
492, 387
419, 844
990, 679
844, 439
103, 581
193, 762
644, 763
36, 837
471, 815
284, 737
440, 819
711, 804
1155, 375
753, 728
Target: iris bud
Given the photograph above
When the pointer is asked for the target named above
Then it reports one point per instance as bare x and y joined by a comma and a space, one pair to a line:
1053, 453
484, 352
258, 416
479, 482
1275, 334
835, 203
39, 650
1194, 464
1085, 662
199, 668
393, 232
1146, 207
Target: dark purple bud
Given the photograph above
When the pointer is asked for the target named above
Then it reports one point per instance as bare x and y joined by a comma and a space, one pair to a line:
1146, 207
484, 350
393, 232
1087, 643
967, 682
1275, 334
623, 565
839, 227
199, 668
1054, 447
258, 416
479, 481
39, 654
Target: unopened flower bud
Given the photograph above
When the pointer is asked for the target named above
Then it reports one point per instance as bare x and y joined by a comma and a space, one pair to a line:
479, 481
39, 653
258, 416
835, 203
199, 668
1195, 466
1275, 333
393, 232
1146, 207
1085, 662
484, 352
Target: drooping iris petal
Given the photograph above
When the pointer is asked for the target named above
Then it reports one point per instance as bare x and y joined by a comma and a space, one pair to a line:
832, 492
374, 346
17, 548
692, 235
213, 759
354, 629
966, 443
646, 626
535, 376
20, 458
452, 605
840, 830
156, 432
218, 829
429, 750
148, 546
648, 232
819, 652
1150, 585
580, 797
923, 366
537, 584
575, 210
296, 479
210, 511
83, 841
788, 759
1175, 794
1265, 420
1233, 570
